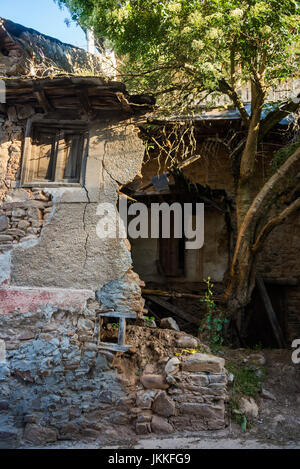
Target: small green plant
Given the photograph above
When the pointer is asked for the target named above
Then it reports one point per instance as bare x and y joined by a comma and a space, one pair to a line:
214, 320
258, 346
149, 320
246, 382
246, 379
115, 325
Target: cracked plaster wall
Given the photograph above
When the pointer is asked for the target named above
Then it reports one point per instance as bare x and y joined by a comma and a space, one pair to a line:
68, 253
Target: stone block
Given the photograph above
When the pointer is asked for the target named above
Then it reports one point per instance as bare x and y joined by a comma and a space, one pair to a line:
144, 400
163, 405
142, 428
169, 323
173, 366
161, 425
38, 435
202, 362
187, 341
3, 223
203, 410
154, 382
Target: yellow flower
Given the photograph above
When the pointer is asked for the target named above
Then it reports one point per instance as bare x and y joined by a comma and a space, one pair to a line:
196, 19
197, 44
175, 7
237, 13
214, 33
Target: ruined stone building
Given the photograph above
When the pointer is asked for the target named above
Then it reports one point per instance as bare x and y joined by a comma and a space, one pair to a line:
75, 358
69, 141
165, 264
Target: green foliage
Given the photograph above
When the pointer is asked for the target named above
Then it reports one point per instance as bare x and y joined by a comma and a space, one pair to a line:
214, 320
246, 379
189, 46
247, 382
115, 325
149, 320
284, 153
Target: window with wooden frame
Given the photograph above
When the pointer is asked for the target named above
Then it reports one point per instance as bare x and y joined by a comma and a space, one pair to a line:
53, 154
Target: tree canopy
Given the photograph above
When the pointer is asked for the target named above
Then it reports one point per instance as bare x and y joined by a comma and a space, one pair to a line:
185, 50
194, 47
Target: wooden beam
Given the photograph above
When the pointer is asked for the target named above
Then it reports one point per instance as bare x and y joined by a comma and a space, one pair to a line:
85, 100
292, 282
174, 310
172, 294
189, 161
43, 100
122, 332
271, 313
115, 314
114, 347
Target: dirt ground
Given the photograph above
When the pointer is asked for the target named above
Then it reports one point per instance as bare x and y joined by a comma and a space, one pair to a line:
278, 421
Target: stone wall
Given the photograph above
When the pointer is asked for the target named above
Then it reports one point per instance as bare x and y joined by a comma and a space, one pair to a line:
53, 230
190, 394
23, 221
55, 272
55, 383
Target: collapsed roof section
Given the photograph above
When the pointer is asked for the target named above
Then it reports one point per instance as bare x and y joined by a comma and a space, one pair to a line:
26, 52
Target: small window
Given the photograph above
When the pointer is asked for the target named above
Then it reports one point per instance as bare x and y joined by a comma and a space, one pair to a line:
53, 155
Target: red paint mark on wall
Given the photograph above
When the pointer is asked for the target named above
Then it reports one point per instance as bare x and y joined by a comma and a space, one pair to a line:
25, 300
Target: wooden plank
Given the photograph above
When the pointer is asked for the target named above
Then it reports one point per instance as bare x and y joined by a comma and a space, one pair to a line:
293, 282
172, 294
115, 314
174, 310
271, 313
189, 161
122, 332
43, 101
85, 100
114, 347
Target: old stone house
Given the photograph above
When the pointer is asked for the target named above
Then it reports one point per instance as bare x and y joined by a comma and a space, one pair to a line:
69, 141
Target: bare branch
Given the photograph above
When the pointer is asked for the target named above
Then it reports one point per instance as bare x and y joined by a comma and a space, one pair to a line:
272, 223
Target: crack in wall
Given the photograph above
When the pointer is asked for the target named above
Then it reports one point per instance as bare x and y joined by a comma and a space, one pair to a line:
85, 225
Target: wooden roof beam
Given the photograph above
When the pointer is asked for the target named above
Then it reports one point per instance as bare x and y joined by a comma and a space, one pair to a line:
43, 100
83, 95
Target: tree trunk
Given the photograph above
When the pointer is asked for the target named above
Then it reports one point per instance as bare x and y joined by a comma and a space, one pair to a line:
249, 242
243, 268
241, 285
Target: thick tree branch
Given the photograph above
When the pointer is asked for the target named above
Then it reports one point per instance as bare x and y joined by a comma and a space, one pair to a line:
272, 223
274, 117
227, 89
257, 205
249, 153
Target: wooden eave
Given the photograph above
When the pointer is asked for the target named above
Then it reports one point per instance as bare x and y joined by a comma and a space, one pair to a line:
87, 94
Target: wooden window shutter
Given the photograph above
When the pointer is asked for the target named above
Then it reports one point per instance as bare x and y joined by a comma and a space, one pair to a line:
42, 161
